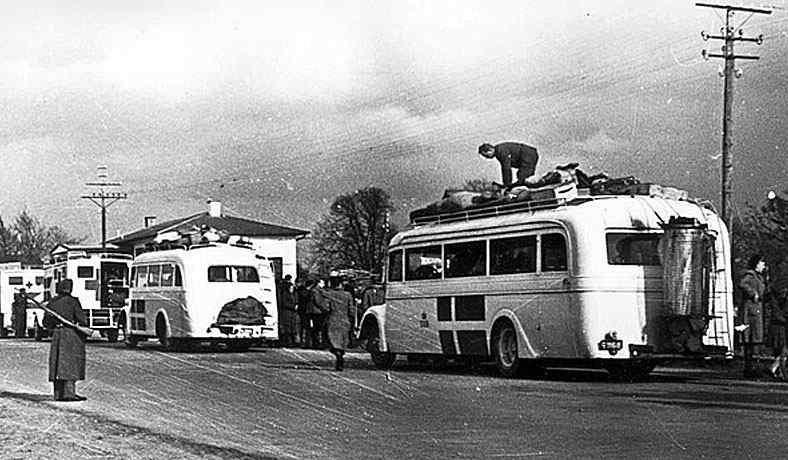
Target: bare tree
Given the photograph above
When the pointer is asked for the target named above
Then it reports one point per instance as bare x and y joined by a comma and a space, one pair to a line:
762, 230
30, 240
355, 233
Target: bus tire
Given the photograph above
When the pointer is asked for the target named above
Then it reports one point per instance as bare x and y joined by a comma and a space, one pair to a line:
131, 341
112, 335
162, 333
504, 346
381, 359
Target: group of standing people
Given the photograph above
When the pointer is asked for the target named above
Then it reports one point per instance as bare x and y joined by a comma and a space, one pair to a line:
762, 303
316, 314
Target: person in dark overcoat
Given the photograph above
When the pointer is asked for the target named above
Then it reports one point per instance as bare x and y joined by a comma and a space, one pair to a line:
67, 350
522, 157
341, 310
288, 318
753, 286
302, 294
19, 314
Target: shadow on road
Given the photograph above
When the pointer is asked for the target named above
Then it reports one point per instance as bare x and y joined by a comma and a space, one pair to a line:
30, 397
116, 427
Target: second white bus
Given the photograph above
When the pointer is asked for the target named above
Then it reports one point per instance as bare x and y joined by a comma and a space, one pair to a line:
217, 293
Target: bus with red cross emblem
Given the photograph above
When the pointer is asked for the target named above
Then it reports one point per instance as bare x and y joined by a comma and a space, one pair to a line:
101, 282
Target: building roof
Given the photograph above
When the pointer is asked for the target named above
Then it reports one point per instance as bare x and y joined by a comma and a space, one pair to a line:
231, 225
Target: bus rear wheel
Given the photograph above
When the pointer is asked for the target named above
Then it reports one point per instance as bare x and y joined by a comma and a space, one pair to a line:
112, 335
505, 350
162, 333
381, 359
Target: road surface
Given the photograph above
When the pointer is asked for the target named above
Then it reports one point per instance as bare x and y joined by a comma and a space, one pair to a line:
289, 403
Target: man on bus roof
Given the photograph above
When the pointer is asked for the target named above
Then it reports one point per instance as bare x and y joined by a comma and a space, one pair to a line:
510, 155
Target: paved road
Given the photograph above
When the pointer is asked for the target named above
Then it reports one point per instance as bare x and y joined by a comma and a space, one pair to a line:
289, 403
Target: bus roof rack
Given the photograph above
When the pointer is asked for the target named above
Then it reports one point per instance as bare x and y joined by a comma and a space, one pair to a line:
493, 211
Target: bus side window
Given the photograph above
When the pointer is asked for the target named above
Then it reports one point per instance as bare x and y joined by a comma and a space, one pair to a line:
395, 266
218, 274
153, 275
133, 278
142, 276
423, 263
243, 274
553, 252
178, 278
84, 271
166, 275
465, 259
513, 255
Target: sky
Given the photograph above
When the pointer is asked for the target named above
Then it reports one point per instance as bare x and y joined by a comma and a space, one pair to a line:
276, 107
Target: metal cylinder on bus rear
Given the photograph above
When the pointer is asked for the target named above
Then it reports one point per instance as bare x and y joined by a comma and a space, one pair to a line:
685, 273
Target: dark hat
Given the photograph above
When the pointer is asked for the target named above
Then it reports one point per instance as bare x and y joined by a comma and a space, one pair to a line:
64, 287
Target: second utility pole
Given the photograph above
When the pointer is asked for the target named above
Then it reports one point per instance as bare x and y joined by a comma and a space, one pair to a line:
103, 199
730, 37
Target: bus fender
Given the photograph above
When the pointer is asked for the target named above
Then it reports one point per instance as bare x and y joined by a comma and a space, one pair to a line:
524, 349
374, 318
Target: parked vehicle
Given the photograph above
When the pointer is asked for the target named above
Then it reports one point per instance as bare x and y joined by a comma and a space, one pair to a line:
583, 283
217, 293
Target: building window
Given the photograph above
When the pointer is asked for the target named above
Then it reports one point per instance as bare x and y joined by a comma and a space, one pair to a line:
276, 265
84, 272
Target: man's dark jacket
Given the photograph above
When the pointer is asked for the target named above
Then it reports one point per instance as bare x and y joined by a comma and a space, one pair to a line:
67, 350
515, 155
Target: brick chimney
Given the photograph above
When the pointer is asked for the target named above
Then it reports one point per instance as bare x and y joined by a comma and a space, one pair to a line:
150, 221
214, 208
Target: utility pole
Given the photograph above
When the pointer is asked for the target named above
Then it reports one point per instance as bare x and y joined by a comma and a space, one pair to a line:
729, 34
104, 197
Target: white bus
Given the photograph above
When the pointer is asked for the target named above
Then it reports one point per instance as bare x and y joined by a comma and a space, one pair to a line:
217, 293
533, 285
101, 283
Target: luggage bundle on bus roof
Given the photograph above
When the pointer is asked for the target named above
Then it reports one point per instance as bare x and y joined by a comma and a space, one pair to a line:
565, 184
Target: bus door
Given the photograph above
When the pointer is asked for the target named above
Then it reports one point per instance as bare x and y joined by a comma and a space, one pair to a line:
555, 334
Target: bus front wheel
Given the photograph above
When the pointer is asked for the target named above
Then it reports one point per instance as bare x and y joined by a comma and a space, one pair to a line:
381, 359
505, 350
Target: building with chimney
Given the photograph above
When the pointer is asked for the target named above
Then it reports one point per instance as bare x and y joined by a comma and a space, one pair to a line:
276, 242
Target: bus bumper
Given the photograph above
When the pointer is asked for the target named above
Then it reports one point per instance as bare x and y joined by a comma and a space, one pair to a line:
241, 331
708, 352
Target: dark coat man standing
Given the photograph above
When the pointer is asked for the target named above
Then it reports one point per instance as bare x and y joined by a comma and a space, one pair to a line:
513, 155
341, 309
288, 317
753, 287
67, 351
19, 314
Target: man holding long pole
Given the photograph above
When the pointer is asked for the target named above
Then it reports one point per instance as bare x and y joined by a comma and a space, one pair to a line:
65, 318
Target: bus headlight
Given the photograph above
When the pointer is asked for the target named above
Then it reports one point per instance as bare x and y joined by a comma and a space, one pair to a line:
611, 343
